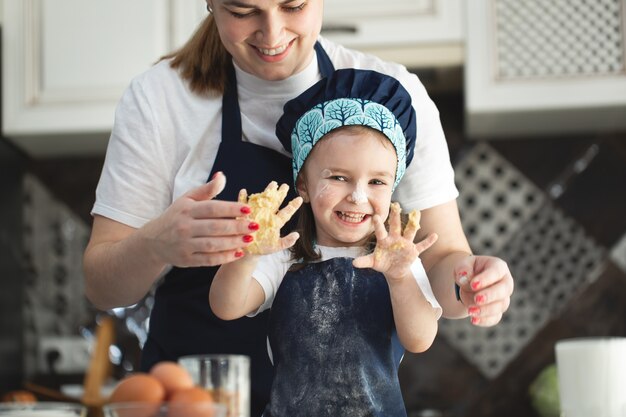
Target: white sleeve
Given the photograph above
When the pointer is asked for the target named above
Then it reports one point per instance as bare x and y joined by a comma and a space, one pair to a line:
269, 273
422, 281
136, 183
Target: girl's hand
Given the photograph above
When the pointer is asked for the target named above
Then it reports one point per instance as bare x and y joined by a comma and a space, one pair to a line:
265, 212
486, 288
197, 230
395, 251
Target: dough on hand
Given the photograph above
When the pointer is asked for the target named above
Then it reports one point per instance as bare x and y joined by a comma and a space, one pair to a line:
264, 207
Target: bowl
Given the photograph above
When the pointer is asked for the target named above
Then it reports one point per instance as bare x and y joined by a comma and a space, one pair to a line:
43, 409
138, 409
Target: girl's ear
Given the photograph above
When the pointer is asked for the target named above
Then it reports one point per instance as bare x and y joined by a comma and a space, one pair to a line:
301, 189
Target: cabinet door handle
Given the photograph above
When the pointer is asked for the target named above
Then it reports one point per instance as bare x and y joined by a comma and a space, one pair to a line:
338, 28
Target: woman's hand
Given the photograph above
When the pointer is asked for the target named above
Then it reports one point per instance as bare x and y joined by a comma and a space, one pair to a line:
395, 251
486, 288
199, 231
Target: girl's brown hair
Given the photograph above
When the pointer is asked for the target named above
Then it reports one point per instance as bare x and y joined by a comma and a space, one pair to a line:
203, 61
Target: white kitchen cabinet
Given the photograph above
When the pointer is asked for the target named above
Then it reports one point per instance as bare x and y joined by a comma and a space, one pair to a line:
416, 33
544, 67
67, 62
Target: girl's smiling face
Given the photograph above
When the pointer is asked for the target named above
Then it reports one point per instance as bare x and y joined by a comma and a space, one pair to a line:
270, 39
347, 178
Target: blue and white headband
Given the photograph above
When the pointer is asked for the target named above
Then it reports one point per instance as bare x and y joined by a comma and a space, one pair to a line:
349, 97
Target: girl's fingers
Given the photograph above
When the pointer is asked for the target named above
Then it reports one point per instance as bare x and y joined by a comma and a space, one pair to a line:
288, 211
395, 225
364, 261
426, 243
289, 240
272, 186
282, 193
412, 226
379, 228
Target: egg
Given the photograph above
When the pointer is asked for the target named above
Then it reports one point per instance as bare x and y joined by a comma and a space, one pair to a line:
172, 376
191, 402
138, 387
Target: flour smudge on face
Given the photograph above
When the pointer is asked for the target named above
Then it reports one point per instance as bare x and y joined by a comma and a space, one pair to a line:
359, 196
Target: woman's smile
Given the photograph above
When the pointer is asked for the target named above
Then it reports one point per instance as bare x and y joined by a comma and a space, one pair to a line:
274, 54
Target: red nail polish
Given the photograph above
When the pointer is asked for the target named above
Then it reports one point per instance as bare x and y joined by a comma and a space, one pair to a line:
253, 226
472, 311
475, 320
246, 210
248, 238
475, 285
238, 254
480, 299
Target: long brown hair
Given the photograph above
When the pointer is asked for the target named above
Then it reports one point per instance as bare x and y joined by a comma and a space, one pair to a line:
203, 61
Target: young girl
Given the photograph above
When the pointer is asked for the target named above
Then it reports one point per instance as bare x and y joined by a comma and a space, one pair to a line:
341, 314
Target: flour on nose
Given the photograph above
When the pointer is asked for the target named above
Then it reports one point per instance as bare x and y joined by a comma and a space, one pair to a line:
359, 196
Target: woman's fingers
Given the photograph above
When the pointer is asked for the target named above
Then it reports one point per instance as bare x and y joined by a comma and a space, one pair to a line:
222, 227
242, 198
209, 190
216, 209
488, 314
215, 258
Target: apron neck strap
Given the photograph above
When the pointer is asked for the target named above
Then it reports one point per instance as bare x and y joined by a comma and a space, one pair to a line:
231, 114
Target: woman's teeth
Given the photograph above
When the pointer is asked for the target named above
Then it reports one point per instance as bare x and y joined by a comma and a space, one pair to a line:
351, 217
272, 52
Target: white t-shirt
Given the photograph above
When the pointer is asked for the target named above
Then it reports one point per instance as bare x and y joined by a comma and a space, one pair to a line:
165, 138
271, 270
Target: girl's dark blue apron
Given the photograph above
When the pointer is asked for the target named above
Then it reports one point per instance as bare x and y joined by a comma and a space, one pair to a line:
181, 322
334, 344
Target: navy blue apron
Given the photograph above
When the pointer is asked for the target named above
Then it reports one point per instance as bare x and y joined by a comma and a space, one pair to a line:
181, 321
334, 344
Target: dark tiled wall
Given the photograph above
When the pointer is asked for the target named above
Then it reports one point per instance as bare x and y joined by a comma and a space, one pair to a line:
11, 271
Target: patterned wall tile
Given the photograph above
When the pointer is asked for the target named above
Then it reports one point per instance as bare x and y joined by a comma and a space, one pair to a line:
550, 256
54, 241
495, 198
618, 253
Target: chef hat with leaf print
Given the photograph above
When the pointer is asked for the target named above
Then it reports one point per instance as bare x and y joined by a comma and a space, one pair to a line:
349, 97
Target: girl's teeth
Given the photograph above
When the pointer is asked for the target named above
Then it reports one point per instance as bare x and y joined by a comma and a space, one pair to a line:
352, 217
272, 52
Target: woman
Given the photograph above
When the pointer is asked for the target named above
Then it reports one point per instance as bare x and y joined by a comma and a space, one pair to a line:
153, 216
